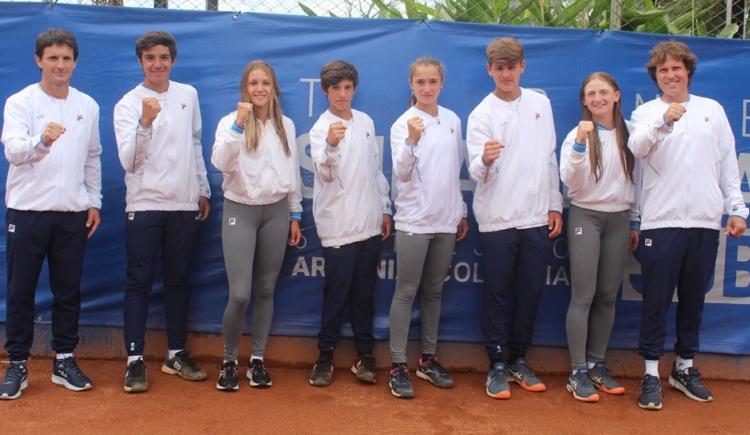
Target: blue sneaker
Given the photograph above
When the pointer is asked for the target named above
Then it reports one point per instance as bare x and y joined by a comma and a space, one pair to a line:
582, 388
15, 381
400, 382
66, 372
689, 382
650, 393
496, 385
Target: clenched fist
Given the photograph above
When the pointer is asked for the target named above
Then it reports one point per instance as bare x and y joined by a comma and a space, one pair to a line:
584, 128
492, 149
52, 133
336, 132
244, 111
674, 113
151, 108
416, 128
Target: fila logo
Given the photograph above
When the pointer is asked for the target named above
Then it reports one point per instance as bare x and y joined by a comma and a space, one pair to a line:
648, 242
537, 115
184, 106
11, 228
79, 117
232, 221
579, 231
368, 134
453, 131
707, 119
131, 216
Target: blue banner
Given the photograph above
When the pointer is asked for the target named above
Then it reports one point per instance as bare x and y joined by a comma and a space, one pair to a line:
214, 46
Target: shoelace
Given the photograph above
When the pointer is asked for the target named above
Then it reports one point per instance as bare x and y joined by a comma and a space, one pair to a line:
525, 370
651, 385
69, 365
14, 374
257, 368
137, 369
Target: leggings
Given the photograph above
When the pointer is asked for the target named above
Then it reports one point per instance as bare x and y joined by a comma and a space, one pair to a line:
254, 240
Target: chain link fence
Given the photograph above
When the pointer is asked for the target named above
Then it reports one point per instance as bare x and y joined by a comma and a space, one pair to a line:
716, 18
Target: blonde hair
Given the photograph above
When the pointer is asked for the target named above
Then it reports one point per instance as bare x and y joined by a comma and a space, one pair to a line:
253, 126
424, 61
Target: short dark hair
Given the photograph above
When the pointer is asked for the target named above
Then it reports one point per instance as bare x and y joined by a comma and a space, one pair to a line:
336, 71
676, 50
153, 38
56, 36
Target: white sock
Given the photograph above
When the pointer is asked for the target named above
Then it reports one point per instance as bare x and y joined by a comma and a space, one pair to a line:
232, 360
134, 358
23, 361
256, 357
171, 353
590, 365
652, 367
577, 370
683, 364
60, 356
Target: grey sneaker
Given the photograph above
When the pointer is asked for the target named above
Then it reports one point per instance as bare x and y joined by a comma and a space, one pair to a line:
15, 381
183, 366
400, 382
600, 377
523, 375
135, 377
580, 385
66, 372
650, 393
496, 385
322, 373
364, 369
689, 382
431, 371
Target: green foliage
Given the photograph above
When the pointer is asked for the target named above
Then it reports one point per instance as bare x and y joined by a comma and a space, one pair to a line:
676, 17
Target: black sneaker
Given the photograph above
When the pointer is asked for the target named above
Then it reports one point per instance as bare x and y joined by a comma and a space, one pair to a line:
364, 369
15, 381
66, 372
228, 377
184, 366
135, 377
689, 382
650, 393
431, 371
322, 372
400, 382
256, 372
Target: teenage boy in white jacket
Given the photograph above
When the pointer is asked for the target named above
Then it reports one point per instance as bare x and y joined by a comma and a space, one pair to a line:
518, 205
352, 212
53, 195
158, 131
690, 179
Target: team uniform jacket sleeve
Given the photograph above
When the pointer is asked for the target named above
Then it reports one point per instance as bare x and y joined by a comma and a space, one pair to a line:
478, 132
200, 166
404, 155
132, 138
459, 152
555, 197
227, 145
294, 197
729, 178
324, 156
20, 146
573, 164
382, 183
92, 171
645, 130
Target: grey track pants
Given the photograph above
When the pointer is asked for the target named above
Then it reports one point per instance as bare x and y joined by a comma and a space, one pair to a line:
422, 261
254, 241
598, 246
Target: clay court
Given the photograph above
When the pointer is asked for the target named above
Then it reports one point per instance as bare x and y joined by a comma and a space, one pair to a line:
292, 406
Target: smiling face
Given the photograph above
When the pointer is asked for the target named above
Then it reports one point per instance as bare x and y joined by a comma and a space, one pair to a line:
57, 64
259, 88
673, 79
507, 77
426, 83
340, 98
157, 64
600, 97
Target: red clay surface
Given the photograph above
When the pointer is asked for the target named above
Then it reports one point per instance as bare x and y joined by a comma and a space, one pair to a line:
176, 406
